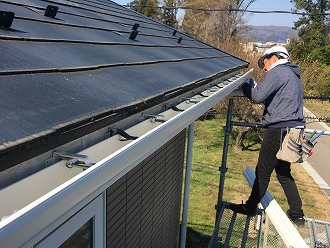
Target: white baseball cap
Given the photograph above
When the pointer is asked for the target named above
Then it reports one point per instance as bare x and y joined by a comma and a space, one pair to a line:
280, 51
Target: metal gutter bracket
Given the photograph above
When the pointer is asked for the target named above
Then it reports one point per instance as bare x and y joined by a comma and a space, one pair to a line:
175, 108
214, 88
155, 118
122, 133
202, 95
73, 159
191, 100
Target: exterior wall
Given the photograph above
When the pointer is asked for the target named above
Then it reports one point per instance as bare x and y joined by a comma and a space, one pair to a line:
143, 207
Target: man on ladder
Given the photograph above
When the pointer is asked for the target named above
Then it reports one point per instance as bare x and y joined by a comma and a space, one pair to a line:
282, 94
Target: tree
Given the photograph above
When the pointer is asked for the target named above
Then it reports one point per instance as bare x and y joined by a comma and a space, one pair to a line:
214, 27
169, 13
151, 8
148, 8
313, 43
316, 79
312, 49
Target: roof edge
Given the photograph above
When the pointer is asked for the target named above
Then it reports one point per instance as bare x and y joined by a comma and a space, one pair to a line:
39, 143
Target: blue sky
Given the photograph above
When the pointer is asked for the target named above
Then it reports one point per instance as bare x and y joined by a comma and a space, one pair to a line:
272, 19
263, 19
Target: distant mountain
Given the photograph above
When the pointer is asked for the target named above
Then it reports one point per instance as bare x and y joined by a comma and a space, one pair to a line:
277, 34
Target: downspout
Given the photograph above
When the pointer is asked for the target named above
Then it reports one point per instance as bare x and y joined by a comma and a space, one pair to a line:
187, 186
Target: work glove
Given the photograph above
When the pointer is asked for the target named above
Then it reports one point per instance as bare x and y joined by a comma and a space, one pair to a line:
250, 82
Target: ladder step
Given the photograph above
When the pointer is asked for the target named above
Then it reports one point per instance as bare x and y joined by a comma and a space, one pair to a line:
236, 230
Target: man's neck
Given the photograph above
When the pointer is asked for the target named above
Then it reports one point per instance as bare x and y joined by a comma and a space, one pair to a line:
278, 62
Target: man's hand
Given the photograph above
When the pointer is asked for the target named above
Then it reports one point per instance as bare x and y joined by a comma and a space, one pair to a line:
247, 87
250, 82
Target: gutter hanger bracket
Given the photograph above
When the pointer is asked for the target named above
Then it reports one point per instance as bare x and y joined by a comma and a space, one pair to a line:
155, 118
215, 88
202, 95
73, 159
175, 108
191, 100
122, 133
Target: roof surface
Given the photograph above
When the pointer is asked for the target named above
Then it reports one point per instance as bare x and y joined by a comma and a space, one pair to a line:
80, 67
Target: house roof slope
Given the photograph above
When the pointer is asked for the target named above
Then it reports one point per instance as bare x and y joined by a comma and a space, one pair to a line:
63, 75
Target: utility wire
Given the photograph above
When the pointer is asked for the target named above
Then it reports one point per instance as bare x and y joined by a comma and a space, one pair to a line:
230, 10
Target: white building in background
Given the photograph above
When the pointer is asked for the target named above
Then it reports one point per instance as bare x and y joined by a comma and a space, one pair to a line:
259, 48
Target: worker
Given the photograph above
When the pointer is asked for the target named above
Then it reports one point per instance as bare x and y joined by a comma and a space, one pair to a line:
281, 93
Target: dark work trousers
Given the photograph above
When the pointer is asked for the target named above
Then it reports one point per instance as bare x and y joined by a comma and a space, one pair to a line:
267, 162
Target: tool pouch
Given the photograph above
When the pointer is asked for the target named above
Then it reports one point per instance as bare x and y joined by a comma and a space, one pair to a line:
291, 149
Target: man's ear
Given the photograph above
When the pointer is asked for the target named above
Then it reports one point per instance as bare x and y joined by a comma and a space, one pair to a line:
274, 58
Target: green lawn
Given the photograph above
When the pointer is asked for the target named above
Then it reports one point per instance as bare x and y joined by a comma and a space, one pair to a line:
207, 156
319, 108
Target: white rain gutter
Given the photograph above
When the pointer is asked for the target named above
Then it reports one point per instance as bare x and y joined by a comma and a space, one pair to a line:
281, 222
16, 230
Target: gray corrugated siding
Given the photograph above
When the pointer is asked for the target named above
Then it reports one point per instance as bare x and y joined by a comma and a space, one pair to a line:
143, 207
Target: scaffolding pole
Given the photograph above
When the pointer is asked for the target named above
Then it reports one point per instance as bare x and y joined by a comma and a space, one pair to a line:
223, 168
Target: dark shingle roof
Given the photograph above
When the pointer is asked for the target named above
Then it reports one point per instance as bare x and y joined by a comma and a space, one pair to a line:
79, 68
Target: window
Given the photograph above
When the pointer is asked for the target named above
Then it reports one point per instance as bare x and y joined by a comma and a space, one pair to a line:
82, 238
85, 229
